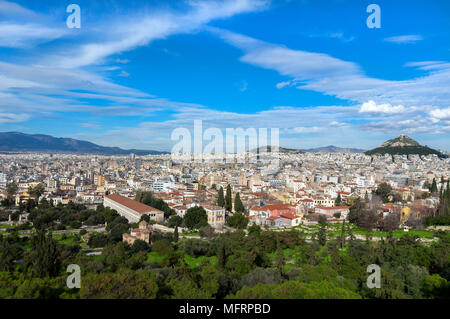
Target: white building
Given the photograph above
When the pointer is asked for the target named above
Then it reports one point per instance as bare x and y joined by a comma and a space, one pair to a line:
131, 209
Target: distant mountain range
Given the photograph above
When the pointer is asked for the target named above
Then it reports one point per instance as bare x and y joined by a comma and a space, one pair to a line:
333, 149
280, 149
20, 142
404, 145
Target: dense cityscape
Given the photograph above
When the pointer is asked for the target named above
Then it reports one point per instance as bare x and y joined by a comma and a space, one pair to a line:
150, 213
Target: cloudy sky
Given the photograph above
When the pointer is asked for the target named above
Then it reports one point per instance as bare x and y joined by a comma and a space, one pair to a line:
137, 70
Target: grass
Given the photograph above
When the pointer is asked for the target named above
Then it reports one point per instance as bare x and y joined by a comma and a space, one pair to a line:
70, 240
194, 262
194, 233
154, 257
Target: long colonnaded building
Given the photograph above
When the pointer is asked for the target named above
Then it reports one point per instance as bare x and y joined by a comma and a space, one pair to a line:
131, 209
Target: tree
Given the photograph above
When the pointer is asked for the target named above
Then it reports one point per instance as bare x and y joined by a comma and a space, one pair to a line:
338, 200
44, 258
280, 261
174, 221
11, 189
175, 234
36, 191
228, 200
125, 284
195, 218
322, 235
342, 238
9, 252
433, 188
221, 255
238, 206
238, 221
391, 222
207, 231
384, 190
145, 218
139, 245
220, 198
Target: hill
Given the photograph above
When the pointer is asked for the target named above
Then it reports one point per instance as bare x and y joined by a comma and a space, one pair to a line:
333, 149
21, 142
403, 145
280, 150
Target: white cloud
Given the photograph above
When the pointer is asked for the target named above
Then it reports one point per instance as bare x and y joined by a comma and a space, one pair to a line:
283, 84
343, 79
441, 114
303, 129
26, 35
412, 38
338, 124
12, 118
384, 108
135, 31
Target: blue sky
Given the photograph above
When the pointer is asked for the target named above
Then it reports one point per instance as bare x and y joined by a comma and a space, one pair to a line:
136, 70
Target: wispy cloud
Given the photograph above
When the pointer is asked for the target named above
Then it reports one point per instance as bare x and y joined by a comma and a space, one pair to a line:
402, 39
343, 79
60, 80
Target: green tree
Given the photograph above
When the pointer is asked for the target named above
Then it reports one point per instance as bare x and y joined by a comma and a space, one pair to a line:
238, 206
11, 189
228, 199
125, 284
175, 234
384, 190
322, 235
44, 258
174, 221
220, 198
338, 200
195, 218
238, 221
36, 191
433, 188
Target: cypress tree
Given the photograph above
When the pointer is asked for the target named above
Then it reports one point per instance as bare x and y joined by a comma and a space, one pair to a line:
433, 188
238, 206
220, 198
175, 234
338, 200
228, 199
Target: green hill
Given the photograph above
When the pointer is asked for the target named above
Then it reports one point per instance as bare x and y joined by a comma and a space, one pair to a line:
403, 145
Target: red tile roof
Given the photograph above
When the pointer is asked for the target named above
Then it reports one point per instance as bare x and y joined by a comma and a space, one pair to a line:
132, 204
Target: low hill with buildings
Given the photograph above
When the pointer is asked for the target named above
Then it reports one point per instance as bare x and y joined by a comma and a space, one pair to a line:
333, 149
404, 145
21, 142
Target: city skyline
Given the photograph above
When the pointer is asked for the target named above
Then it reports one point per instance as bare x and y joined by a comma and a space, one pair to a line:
133, 73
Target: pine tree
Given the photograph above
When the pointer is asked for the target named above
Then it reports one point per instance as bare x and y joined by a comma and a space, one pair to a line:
220, 198
228, 199
238, 206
